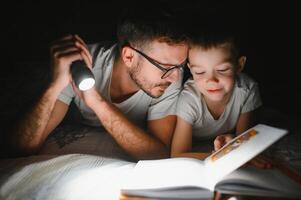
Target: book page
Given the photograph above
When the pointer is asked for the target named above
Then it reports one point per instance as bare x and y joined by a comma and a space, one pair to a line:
167, 173
240, 150
262, 182
186, 193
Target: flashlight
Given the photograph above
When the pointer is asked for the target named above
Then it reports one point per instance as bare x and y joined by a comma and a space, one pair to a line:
82, 75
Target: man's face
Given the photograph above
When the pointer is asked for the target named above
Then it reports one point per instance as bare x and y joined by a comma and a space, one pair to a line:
148, 77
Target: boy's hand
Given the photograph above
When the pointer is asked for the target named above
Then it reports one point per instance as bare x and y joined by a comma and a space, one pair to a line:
221, 140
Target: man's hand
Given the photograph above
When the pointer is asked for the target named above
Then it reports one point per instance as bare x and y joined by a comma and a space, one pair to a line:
221, 140
91, 97
63, 52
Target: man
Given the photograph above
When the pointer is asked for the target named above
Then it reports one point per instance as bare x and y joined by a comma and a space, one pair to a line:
137, 83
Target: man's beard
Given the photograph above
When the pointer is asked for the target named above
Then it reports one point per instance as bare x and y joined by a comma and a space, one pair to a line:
144, 84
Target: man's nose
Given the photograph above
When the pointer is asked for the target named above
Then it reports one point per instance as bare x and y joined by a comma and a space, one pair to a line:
174, 76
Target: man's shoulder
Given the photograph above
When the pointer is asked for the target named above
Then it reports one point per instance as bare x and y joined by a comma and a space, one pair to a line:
101, 49
101, 46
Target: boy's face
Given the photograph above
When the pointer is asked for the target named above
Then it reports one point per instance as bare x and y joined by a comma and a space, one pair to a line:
213, 72
148, 77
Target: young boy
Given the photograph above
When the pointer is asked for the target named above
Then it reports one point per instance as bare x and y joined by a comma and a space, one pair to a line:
219, 101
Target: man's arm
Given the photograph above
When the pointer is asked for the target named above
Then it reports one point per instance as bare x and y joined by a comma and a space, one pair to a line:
137, 142
31, 132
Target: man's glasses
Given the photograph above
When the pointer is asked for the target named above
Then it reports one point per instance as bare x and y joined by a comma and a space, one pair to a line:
167, 72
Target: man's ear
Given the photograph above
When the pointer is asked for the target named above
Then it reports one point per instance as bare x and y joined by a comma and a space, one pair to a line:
127, 56
241, 63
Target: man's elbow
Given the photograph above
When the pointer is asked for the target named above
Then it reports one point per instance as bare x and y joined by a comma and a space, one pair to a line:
24, 148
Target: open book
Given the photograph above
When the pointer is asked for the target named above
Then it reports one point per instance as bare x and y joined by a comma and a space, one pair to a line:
189, 178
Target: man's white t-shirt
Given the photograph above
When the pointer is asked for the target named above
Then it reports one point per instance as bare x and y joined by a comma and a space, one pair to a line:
139, 108
192, 108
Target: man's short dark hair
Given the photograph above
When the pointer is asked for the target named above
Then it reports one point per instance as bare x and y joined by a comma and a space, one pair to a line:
139, 26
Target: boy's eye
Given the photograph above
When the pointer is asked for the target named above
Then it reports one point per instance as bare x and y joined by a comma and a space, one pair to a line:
223, 70
199, 73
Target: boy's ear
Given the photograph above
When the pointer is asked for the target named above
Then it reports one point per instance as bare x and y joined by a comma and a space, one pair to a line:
127, 56
241, 63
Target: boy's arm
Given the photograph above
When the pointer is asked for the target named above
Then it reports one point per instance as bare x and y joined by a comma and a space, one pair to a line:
182, 139
245, 121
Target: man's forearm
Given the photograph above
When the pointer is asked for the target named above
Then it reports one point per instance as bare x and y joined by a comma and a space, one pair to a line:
131, 138
27, 135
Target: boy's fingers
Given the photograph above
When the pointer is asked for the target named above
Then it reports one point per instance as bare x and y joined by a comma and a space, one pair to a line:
228, 138
218, 143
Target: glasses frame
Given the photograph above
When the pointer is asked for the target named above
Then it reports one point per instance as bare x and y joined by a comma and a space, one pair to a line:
167, 72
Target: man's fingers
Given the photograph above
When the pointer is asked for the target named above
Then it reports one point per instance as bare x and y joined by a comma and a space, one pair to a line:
76, 90
81, 40
69, 44
85, 53
65, 50
67, 37
85, 48
63, 46
69, 57
58, 43
86, 59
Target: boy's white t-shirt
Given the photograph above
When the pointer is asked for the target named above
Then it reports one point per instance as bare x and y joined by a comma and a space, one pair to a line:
192, 108
139, 108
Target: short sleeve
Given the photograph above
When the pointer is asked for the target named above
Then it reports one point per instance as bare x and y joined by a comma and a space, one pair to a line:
188, 106
67, 95
253, 100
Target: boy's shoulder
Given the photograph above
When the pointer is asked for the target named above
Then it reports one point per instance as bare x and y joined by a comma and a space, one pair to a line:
245, 82
189, 87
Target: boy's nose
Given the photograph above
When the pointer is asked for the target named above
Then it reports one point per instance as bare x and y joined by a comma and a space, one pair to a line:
212, 77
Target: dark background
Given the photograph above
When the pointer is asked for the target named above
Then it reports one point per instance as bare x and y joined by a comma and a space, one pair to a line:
28, 28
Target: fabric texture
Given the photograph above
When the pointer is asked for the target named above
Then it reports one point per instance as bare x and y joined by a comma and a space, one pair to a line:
192, 108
